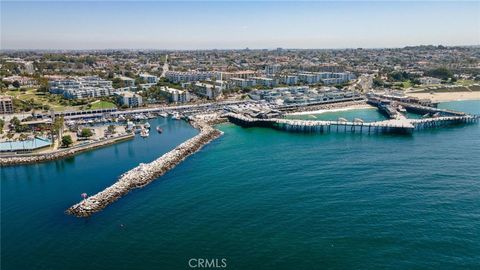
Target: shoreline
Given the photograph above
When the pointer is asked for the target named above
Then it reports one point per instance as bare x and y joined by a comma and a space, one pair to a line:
24, 159
446, 97
339, 109
144, 174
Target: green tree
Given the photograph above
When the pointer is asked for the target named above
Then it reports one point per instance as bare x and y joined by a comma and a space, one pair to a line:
111, 129
67, 140
58, 125
86, 132
2, 123
441, 73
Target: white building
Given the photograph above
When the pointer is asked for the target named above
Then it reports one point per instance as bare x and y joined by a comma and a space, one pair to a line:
189, 76
150, 79
129, 99
82, 87
207, 90
429, 80
242, 83
325, 77
272, 69
129, 82
263, 81
290, 79
176, 95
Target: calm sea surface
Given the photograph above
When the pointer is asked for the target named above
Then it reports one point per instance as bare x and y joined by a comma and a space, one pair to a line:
262, 199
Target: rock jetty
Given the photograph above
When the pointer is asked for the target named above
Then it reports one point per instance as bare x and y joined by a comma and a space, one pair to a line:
145, 173
22, 159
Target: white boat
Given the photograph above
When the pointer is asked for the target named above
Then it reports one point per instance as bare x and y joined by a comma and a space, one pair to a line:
129, 125
176, 116
401, 108
163, 114
147, 125
144, 133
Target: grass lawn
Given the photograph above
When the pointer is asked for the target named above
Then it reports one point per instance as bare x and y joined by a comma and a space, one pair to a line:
465, 82
29, 94
101, 105
407, 84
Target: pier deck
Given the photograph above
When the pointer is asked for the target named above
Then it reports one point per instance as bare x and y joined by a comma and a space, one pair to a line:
400, 124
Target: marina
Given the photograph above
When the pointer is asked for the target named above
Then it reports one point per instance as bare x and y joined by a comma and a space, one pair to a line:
246, 170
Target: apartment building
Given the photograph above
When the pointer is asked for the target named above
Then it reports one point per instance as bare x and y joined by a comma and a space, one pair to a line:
176, 95
82, 87
129, 99
149, 79
207, 90
189, 76
6, 104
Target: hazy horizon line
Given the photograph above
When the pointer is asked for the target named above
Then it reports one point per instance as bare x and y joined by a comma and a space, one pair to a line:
234, 49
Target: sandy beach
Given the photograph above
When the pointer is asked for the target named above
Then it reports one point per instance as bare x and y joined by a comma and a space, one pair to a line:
338, 109
452, 96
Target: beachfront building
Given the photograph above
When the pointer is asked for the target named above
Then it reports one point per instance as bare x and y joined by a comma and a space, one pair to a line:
129, 99
429, 80
6, 105
176, 95
82, 87
207, 90
149, 79
303, 95
189, 76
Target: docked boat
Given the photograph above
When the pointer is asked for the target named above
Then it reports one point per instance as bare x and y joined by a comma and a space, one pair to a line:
129, 125
159, 130
401, 108
176, 116
144, 133
147, 125
163, 114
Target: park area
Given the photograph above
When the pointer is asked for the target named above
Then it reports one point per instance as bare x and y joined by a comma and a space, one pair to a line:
27, 99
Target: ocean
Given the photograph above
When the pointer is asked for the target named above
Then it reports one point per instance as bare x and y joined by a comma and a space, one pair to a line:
259, 199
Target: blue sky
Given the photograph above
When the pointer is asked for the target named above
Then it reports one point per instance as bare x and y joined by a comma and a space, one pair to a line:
204, 25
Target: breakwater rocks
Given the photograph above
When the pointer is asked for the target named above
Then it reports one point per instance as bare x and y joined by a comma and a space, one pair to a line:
145, 173
22, 159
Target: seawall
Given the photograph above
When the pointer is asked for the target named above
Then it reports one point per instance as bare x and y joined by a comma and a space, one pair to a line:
145, 173
21, 159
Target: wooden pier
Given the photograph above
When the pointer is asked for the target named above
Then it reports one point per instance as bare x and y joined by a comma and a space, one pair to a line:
399, 125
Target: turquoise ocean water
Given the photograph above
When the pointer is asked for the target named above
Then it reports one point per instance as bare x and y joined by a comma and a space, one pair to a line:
261, 199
